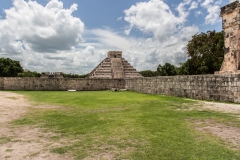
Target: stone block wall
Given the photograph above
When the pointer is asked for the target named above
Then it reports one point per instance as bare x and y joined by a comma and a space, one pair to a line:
56, 84
203, 87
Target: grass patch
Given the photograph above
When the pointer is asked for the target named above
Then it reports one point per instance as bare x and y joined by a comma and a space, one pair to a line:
23, 121
4, 140
128, 125
61, 150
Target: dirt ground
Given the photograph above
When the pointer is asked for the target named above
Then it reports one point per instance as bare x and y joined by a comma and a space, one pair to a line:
24, 142
228, 133
17, 143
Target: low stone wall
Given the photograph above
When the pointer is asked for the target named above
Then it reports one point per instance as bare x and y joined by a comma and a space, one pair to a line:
203, 87
55, 84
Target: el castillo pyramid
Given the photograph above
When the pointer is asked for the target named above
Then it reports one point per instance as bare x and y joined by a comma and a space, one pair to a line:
114, 66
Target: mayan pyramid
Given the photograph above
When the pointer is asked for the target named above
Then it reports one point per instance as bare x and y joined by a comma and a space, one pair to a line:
114, 66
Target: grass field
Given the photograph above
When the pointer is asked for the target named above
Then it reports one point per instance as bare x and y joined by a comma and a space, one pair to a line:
128, 125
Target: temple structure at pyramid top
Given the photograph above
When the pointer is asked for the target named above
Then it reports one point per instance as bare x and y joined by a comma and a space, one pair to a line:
114, 66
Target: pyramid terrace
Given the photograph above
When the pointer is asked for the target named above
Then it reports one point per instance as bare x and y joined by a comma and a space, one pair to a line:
114, 66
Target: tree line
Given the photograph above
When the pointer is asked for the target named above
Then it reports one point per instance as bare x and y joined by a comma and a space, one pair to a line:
205, 56
12, 68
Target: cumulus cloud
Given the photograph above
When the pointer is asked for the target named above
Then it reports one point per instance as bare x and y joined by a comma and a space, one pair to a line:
169, 30
154, 16
41, 37
213, 8
89, 50
157, 18
197, 13
194, 5
31, 26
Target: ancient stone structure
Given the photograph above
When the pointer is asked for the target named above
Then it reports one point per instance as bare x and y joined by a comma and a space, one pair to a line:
51, 75
114, 66
205, 87
231, 24
59, 84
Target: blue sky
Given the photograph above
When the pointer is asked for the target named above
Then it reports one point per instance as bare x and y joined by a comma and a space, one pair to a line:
74, 36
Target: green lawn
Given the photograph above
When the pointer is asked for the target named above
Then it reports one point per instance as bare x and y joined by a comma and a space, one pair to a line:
128, 125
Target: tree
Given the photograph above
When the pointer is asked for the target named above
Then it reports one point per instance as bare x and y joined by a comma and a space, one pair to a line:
9, 68
27, 73
167, 69
206, 52
70, 75
149, 73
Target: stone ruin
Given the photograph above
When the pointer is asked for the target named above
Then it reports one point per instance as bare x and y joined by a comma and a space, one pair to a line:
114, 66
231, 24
51, 75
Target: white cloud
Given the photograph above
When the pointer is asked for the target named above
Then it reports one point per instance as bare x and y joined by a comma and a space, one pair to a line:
197, 13
194, 5
110, 39
41, 29
157, 18
213, 8
154, 16
119, 19
89, 50
42, 37
170, 33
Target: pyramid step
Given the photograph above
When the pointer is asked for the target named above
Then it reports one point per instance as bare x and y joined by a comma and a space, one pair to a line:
114, 66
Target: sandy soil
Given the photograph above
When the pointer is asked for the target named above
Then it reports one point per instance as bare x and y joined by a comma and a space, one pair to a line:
229, 134
17, 143
222, 107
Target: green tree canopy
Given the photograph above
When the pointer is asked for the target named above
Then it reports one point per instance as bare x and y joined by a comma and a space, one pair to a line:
27, 73
167, 69
206, 52
70, 75
9, 68
149, 73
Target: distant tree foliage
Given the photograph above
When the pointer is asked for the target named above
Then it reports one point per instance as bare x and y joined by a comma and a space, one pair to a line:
149, 73
27, 73
70, 75
167, 69
9, 68
206, 52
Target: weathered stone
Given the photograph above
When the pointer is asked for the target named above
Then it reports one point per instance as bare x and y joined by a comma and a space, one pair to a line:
114, 66
51, 75
206, 87
63, 84
231, 24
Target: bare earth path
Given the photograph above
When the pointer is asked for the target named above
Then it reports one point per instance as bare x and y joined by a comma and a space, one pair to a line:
17, 143
228, 133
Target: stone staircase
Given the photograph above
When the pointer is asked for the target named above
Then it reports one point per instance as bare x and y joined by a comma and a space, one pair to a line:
129, 71
114, 66
117, 68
